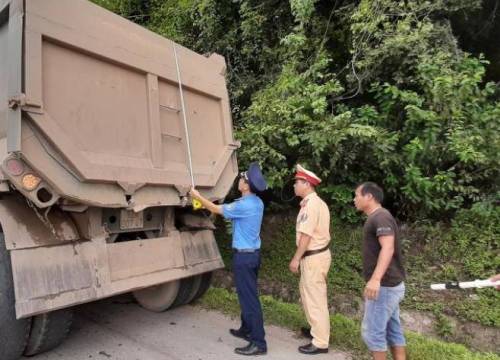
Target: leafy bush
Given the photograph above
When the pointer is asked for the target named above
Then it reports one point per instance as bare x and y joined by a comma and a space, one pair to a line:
473, 241
356, 90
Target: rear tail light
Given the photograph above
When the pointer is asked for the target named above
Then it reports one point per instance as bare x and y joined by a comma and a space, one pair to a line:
30, 182
15, 167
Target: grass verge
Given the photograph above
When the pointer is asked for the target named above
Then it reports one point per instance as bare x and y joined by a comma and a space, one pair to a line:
345, 332
426, 263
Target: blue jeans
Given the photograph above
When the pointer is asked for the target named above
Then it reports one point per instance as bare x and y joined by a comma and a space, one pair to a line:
246, 269
381, 326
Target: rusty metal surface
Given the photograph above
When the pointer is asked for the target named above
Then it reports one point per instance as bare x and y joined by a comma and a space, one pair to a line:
11, 96
50, 278
90, 104
43, 157
198, 221
4, 33
103, 95
27, 227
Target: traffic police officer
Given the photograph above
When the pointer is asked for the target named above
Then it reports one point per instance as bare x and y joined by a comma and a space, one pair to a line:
246, 216
313, 258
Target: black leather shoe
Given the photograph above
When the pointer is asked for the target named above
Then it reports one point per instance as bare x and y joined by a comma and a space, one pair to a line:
250, 349
306, 332
240, 334
310, 349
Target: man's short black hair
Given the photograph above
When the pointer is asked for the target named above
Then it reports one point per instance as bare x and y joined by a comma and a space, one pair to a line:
373, 189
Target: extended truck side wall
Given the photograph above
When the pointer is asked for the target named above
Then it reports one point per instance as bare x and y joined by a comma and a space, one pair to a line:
100, 105
90, 103
11, 65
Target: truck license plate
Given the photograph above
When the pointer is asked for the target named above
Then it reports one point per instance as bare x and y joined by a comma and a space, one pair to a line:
131, 220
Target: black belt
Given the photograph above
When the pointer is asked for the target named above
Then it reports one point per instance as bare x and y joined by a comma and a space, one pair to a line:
314, 252
245, 250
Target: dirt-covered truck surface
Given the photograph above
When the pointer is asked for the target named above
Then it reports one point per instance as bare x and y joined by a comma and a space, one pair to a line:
104, 127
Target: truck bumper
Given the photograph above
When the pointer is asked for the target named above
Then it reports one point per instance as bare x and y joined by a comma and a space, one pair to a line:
55, 277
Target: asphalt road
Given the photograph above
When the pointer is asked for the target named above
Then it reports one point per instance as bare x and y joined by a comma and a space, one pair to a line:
118, 328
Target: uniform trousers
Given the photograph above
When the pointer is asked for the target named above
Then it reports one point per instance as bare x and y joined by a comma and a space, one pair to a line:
246, 269
313, 294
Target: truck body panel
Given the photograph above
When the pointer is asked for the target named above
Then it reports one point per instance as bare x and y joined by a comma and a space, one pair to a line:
93, 154
101, 96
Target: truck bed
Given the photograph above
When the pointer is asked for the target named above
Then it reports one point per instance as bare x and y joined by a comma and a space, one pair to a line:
95, 107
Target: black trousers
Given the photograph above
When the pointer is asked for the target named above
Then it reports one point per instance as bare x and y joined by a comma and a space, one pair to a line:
246, 269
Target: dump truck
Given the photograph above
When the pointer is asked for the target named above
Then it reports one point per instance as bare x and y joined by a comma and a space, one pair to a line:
104, 127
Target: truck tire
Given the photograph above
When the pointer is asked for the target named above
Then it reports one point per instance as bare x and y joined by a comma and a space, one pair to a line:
194, 290
13, 333
158, 298
206, 281
48, 331
187, 291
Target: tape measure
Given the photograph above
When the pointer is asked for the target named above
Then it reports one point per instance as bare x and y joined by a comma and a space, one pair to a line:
197, 205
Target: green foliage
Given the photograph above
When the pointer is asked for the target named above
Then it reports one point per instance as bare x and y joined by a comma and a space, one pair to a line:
427, 128
356, 90
173, 19
443, 326
345, 332
484, 309
473, 241
466, 250
448, 139
134, 10
469, 249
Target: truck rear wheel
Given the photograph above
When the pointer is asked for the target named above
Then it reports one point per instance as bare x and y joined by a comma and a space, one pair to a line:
13, 333
188, 289
158, 298
48, 331
206, 281
196, 287
193, 288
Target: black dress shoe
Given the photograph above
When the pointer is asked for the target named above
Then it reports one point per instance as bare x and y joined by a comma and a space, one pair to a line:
306, 332
250, 349
310, 349
240, 334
